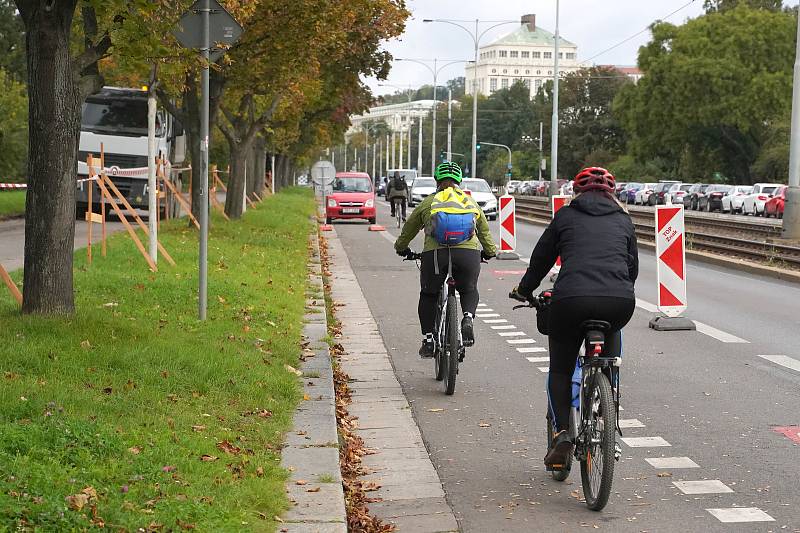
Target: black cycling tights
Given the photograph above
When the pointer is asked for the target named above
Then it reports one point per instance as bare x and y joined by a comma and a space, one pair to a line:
566, 317
466, 268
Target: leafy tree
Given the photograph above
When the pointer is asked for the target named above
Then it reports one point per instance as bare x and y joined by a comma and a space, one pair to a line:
713, 90
12, 41
13, 127
714, 6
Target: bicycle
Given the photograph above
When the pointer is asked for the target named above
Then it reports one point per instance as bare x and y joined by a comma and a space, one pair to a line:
449, 348
397, 204
595, 410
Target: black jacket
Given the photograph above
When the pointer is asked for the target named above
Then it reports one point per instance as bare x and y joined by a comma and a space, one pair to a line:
596, 241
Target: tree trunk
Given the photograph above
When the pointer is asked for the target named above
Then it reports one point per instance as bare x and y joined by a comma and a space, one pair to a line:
252, 167
259, 151
234, 199
54, 128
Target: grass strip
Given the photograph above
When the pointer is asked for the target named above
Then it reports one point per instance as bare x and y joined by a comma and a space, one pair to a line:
133, 414
12, 204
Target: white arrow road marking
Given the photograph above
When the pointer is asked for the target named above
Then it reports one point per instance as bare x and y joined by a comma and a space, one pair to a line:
782, 360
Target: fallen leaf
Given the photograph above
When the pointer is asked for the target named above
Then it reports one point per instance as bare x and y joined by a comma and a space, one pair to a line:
227, 447
315, 489
306, 397
110, 304
198, 428
208, 458
484, 425
135, 450
77, 502
168, 468
86, 345
301, 482
664, 474
293, 370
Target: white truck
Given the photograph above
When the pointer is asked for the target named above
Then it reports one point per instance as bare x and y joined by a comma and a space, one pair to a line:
116, 118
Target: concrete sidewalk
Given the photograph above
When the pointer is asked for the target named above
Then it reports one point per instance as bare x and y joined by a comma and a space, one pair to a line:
412, 495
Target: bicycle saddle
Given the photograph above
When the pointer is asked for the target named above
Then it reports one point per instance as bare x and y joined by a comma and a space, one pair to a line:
595, 330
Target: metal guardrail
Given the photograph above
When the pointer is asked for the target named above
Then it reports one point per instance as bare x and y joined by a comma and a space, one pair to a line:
717, 234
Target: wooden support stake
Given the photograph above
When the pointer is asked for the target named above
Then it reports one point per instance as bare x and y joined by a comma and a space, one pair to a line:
89, 213
11, 285
257, 196
136, 217
215, 203
182, 201
127, 225
102, 203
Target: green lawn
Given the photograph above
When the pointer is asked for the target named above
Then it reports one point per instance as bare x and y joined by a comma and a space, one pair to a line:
135, 415
12, 203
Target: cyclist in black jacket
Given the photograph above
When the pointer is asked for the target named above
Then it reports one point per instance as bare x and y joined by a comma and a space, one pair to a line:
596, 240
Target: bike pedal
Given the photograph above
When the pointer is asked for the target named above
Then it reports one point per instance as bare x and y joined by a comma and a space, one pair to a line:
617, 451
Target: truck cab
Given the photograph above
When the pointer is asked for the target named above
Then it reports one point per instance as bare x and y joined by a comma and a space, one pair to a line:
116, 119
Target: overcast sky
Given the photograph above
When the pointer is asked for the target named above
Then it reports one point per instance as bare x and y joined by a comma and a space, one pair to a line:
594, 25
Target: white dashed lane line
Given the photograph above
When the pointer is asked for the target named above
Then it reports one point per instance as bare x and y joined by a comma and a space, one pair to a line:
740, 514
645, 442
508, 326
783, 361
495, 321
630, 423
705, 486
671, 462
532, 349
538, 359
521, 341
511, 334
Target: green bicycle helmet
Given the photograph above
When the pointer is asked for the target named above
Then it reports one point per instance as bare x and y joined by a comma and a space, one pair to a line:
448, 171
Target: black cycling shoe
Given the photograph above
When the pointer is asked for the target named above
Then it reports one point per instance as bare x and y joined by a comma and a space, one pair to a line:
427, 349
559, 452
467, 335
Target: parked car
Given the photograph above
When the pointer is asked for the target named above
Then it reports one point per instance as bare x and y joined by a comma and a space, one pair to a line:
732, 202
567, 189
483, 195
676, 193
353, 196
643, 194
620, 187
512, 186
423, 186
774, 206
712, 199
628, 193
691, 199
659, 193
754, 202
527, 188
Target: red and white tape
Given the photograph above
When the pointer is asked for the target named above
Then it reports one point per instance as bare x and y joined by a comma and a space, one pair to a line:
12, 186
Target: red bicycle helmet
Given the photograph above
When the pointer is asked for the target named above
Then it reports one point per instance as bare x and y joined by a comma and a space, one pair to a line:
594, 179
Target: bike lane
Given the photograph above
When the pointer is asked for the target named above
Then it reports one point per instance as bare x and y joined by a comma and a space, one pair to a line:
487, 440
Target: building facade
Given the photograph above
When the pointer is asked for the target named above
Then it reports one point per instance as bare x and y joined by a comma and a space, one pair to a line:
396, 116
525, 55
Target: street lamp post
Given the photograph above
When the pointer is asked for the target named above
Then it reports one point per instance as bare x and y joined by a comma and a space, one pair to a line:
791, 216
435, 71
510, 166
449, 124
529, 139
554, 147
476, 38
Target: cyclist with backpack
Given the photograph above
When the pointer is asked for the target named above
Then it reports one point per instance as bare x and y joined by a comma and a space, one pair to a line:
457, 237
596, 240
398, 192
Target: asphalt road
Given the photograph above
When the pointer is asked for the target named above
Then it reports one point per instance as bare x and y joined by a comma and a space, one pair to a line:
711, 400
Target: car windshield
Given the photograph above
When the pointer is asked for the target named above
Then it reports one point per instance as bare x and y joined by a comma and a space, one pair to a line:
424, 182
633, 186
685, 188
769, 189
477, 186
352, 185
123, 116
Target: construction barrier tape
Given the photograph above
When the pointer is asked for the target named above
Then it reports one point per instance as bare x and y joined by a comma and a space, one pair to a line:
12, 186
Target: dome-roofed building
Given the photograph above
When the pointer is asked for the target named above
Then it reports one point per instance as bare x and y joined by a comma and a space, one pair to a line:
526, 54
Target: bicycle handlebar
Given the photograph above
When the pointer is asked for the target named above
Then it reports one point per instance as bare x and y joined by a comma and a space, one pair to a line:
412, 256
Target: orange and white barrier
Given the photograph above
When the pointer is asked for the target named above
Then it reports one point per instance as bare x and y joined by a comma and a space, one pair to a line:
671, 270
508, 228
556, 203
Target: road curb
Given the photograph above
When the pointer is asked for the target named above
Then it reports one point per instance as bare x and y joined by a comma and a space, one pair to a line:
311, 451
407, 483
717, 260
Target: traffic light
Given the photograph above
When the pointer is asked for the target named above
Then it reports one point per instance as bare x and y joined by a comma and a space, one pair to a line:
478, 146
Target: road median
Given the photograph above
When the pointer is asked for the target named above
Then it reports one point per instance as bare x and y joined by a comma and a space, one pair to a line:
132, 414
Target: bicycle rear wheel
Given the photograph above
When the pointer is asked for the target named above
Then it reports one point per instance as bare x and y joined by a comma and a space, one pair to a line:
599, 423
451, 350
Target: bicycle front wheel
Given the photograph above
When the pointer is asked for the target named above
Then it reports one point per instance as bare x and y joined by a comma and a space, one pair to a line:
600, 422
451, 350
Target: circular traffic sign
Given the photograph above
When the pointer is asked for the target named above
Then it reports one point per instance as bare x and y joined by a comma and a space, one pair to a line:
323, 173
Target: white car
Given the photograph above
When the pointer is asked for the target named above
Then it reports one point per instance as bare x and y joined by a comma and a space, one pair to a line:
753, 203
482, 194
732, 202
423, 186
676, 193
643, 194
512, 186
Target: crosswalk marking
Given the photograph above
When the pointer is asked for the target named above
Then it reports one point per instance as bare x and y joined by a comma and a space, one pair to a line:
645, 442
487, 315
671, 462
495, 321
504, 327
531, 349
704, 486
481, 305
740, 514
511, 334
521, 341
783, 361
538, 359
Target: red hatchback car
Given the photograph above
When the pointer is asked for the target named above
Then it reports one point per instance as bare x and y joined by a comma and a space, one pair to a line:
352, 197
774, 206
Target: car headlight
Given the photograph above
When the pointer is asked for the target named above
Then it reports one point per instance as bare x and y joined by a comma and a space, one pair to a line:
331, 202
369, 203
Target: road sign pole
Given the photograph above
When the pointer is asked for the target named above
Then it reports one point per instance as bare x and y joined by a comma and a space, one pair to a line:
205, 13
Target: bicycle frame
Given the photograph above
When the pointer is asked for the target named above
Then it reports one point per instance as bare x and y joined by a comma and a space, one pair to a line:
448, 288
